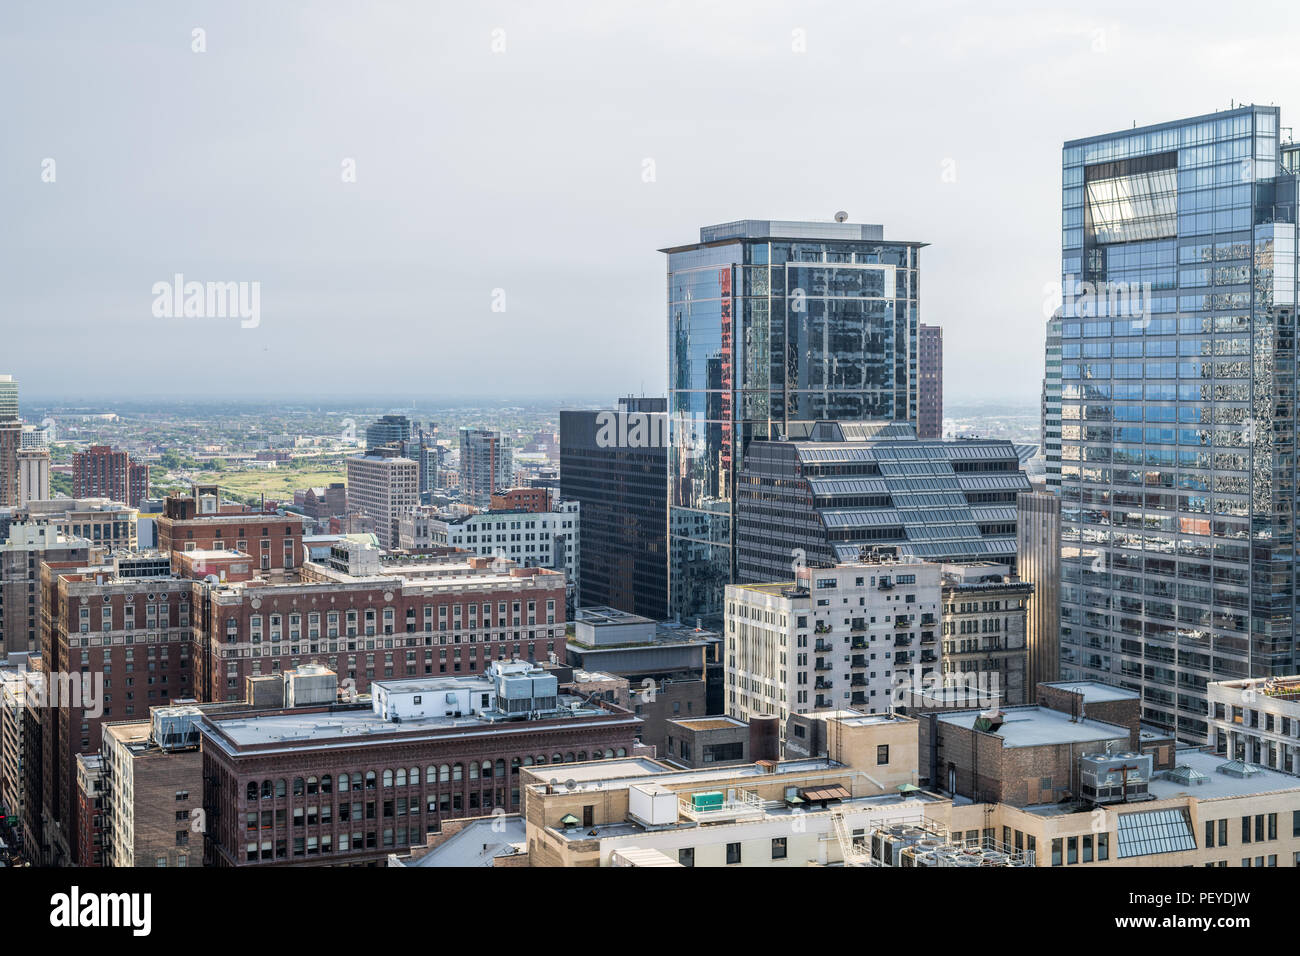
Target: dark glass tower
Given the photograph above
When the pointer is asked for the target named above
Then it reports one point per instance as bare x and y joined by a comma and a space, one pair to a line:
1178, 424
771, 324
620, 477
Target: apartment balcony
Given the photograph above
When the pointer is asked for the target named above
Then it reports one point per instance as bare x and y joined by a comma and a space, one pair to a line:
822, 627
927, 620
822, 665
902, 640
928, 657
886, 584
823, 683
859, 680
927, 637
859, 644
902, 623
902, 658
859, 699
823, 647
859, 660
858, 624
823, 702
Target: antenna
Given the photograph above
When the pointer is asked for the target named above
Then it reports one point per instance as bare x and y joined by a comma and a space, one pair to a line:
841, 216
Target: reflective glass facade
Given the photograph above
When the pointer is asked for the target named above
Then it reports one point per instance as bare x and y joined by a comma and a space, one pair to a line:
1177, 410
769, 324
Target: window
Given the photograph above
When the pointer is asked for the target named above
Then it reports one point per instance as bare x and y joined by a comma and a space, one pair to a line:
1087, 849
882, 755
1209, 834
1245, 829
1103, 846
733, 853
1057, 845
1072, 850
686, 856
778, 848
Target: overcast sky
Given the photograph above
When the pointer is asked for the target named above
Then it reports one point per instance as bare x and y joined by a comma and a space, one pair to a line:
524, 169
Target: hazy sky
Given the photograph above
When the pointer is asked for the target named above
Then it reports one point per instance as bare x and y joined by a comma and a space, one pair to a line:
525, 171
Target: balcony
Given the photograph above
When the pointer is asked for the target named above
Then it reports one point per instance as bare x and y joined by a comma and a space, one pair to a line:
902, 623
902, 658
859, 660
886, 584
859, 699
858, 624
823, 647
859, 680
823, 702
902, 640
927, 637
823, 683
859, 644
822, 665
822, 627
928, 657
927, 620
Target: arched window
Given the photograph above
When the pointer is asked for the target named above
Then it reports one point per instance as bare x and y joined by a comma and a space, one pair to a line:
345, 783
557, 758
582, 755
501, 768
473, 769
327, 784
388, 778
356, 781
370, 780
252, 790
609, 754
401, 777
313, 785
444, 773
514, 765
541, 758
622, 751
457, 772
568, 758
266, 789
415, 776
281, 788
528, 761
431, 774
298, 786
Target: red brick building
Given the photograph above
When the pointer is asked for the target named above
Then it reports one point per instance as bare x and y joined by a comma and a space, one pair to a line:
102, 472
200, 523
348, 786
535, 500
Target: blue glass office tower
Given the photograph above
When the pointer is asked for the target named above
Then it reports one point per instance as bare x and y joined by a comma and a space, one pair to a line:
772, 323
1178, 409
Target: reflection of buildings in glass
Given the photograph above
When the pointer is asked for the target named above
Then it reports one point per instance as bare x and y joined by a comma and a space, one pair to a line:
773, 323
1176, 418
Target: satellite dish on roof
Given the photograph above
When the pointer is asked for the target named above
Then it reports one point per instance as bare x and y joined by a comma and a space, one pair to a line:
841, 216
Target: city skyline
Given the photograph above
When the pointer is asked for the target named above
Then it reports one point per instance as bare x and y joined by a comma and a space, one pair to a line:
252, 184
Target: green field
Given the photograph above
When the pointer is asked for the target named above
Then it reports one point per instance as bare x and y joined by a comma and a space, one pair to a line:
279, 483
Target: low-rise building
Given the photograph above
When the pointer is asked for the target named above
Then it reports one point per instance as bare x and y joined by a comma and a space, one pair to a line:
340, 785
1257, 720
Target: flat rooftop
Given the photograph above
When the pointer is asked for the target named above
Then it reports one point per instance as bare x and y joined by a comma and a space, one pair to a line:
620, 774
1095, 692
1040, 727
710, 723
1216, 785
349, 727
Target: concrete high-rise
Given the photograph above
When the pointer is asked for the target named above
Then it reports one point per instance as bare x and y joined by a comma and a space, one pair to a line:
8, 398
1178, 409
486, 466
930, 382
772, 324
384, 487
388, 429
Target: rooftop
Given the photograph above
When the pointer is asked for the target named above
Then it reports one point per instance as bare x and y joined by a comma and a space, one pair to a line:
477, 844
1095, 692
1040, 727
710, 723
1217, 785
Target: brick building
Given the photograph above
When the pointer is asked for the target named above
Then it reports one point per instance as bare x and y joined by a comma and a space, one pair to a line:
102, 472
350, 785
199, 522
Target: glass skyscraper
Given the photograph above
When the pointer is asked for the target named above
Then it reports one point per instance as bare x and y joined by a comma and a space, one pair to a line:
1178, 425
771, 324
